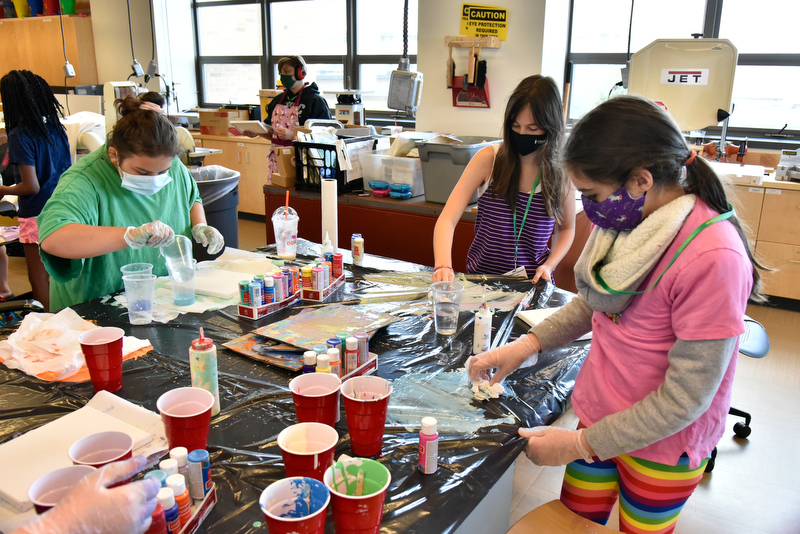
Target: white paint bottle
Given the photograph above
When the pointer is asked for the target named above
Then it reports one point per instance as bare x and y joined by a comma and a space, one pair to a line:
483, 329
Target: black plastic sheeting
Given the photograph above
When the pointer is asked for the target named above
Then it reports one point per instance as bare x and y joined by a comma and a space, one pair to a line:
257, 405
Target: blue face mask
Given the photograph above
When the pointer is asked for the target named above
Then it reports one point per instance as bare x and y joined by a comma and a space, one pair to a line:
145, 185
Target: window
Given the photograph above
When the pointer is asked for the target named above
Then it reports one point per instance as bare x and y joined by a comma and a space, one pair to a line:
345, 43
768, 67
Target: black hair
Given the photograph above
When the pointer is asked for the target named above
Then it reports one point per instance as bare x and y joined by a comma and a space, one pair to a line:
28, 101
142, 131
628, 133
541, 94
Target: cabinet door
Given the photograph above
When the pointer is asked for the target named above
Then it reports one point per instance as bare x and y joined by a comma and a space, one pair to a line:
748, 208
780, 217
231, 156
785, 259
251, 185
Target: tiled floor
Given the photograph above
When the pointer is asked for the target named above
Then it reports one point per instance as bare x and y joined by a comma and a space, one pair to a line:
752, 489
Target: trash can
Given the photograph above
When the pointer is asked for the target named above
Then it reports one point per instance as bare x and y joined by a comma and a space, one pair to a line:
443, 163
219, 191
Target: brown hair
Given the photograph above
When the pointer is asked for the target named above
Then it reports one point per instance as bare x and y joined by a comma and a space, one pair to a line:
142, 131
628, 133
541, 94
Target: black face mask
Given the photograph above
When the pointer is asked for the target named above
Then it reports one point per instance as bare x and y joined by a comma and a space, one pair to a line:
526, 144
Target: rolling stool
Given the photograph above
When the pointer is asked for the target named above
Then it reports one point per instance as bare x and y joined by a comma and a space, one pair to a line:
754, 343
555, 518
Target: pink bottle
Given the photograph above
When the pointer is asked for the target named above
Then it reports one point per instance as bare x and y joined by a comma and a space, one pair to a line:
428, 446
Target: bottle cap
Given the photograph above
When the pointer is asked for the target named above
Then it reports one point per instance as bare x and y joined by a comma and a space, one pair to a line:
323, 361
166, 498
169, 466
429, 425
333, 355
202, 342
310, 357
270, 281
361, 335
320, 349
198, 455
159, 475
179, 454
352, 343
177, 483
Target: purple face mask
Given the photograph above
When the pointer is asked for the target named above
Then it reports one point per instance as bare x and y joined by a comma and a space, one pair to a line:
618, 212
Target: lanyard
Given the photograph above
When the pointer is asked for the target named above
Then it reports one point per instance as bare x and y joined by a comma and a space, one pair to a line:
516, 234
697, 230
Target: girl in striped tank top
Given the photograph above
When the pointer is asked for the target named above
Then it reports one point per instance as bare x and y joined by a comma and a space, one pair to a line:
522, 193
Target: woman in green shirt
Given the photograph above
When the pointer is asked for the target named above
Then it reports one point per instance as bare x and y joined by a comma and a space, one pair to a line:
117, 206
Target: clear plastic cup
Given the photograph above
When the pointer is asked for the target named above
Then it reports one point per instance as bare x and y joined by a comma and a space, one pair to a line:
181, 279
136, 268
178, 254
139, 292
446, 297
284, 223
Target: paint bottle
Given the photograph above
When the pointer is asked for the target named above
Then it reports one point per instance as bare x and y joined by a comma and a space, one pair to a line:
309, 361
244, 292
353, 243
350, 355
159, 521
338, 265
159, 475
199, 474
342, 336
336, 362
169, 466
358, 251
166, 498
428, 446
317, 278
260, 279
306, 272
272, 293
320, 349
326, 273
178, 485
203, 367
335, 343
296, 282
363, 347
256, 293
482, 336
323, 364
179, 454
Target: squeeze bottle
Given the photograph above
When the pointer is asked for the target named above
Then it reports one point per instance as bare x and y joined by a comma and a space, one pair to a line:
179, 454
350, 355
309, 361
428, 446
336, 362
166, 498
203, 367
159, 521
178, 485
323, 364
327, 246
483, 329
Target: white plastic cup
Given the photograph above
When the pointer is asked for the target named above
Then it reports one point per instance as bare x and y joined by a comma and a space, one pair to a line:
284, 223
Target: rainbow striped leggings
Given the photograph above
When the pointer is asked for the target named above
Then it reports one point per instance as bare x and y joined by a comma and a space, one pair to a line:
651, 495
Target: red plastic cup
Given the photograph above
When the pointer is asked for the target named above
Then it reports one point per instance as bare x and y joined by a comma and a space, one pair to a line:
297, 504
49, 489
307, 449
316, 398
186, 414
366, 400
102, 448
358, 490
102, 350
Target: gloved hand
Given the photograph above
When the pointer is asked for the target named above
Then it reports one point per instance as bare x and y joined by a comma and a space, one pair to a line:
505, 360
209, 237
548, 445
91, 507
153, 234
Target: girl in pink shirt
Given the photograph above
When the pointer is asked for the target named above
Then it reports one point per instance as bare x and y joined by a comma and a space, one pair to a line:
663, 285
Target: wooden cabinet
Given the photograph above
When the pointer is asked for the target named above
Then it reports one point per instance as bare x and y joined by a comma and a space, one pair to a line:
34, 43
249, 157
748, 208
784, 281
780, 218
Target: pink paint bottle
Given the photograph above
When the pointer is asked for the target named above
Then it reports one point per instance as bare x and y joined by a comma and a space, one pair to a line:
428, 446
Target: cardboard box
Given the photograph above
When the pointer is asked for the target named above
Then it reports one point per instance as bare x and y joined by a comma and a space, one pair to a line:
265, 96
278, 180
217, 122
286, 163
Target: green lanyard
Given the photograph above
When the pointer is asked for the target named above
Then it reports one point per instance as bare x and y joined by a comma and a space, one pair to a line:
516, 234
697, 230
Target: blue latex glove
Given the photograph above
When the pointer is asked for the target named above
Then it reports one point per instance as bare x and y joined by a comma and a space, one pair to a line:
91, 507
209, 237
153, 234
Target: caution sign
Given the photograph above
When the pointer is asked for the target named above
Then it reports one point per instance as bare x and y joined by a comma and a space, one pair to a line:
484, 21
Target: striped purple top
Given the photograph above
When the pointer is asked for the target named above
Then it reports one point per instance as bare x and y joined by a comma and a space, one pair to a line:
492, 250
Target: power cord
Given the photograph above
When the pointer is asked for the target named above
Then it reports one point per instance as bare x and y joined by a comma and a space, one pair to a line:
69, 70
137, 68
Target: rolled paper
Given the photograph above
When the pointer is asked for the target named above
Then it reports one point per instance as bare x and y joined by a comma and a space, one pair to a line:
330, 218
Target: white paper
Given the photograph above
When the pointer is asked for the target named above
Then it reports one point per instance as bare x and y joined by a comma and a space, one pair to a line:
330, 217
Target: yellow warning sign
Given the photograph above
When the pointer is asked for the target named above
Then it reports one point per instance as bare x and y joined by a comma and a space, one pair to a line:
484, 21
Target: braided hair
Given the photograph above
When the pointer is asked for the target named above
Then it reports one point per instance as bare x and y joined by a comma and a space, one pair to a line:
28, 101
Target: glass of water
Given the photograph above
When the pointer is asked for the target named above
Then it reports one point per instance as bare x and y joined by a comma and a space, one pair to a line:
446, 297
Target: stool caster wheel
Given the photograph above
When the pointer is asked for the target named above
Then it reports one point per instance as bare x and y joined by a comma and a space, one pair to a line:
741, 430
712, 460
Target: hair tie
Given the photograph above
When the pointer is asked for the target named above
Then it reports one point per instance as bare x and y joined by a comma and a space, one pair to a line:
691, 159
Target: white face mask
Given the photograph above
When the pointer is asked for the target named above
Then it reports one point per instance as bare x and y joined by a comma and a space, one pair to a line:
145, 185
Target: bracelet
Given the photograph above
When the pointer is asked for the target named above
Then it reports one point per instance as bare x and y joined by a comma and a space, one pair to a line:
443, 267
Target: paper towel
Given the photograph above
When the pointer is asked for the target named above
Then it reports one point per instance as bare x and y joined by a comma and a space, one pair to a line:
330, 218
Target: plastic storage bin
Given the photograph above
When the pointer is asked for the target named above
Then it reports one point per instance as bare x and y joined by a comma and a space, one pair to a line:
317, 161
443, 163
378, 166
219, 191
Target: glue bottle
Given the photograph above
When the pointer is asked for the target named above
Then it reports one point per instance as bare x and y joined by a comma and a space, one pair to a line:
203, 367
309, 361
327, 246
483, 329
178, 485
166, 498
428, 446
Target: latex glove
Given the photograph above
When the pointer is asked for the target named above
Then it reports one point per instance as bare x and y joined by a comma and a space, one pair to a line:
543, 271
503, 360
209, 237
92, 507
153, 234
549, 445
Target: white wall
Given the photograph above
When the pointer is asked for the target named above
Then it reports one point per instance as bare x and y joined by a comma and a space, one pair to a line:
525, 52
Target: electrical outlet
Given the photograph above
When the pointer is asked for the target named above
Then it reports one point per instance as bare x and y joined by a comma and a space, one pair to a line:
137, 68
69, 70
